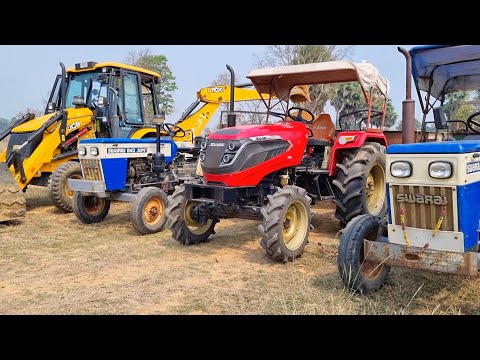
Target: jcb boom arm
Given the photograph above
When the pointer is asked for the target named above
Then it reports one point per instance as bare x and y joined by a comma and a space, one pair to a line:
194, 122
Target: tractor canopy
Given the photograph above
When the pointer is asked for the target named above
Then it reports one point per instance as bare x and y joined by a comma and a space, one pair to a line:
278, 81
443, 69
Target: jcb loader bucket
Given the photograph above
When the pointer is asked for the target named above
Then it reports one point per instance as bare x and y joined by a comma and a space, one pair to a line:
12, 202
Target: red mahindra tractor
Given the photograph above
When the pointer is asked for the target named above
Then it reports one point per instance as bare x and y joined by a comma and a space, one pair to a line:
274, 172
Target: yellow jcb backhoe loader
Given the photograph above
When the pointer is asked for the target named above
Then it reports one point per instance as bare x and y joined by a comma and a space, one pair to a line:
90, 100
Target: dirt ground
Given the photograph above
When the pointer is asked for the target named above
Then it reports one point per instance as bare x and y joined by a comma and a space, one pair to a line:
50, 263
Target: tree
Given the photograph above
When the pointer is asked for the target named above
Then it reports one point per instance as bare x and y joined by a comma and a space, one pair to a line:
145, 59
349, 97
282, 55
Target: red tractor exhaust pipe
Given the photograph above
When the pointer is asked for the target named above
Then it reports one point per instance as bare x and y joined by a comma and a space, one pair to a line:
408, 105
231, 117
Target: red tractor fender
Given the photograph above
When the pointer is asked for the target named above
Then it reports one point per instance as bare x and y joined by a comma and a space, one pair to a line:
359, 139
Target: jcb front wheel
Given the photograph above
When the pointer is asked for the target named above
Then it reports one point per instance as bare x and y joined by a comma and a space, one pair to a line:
357, 273
286, 224
60, 193
90, 209
148, 210
185, 229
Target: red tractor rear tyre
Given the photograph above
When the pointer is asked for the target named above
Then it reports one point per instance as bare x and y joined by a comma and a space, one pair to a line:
360, 186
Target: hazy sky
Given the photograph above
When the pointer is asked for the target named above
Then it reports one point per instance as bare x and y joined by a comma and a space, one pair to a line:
27, 71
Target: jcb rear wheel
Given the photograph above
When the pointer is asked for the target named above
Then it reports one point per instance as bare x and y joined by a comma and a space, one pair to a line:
286, 224
60, 193
148, 210
360, 186
90, 209
184, 228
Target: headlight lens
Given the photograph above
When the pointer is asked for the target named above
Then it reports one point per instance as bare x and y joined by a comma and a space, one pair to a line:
94, 151
203, 145
202, 157
401, 169
342, 140
440, 169
227, 158
232, 146
82, 151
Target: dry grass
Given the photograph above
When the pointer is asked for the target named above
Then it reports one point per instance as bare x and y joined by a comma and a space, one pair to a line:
50, 263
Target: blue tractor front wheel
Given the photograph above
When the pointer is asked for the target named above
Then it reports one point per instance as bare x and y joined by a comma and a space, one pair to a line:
357, 273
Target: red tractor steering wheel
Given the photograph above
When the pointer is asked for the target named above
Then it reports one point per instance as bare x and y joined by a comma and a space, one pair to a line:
300, 115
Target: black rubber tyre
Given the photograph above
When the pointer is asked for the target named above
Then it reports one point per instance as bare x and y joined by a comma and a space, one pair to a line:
12, 202
286, 224
360, 186
148, 210
357, 274
90, 209
184, 229
58, 188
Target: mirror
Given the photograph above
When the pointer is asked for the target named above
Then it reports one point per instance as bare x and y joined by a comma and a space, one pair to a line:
51, 107
102, 102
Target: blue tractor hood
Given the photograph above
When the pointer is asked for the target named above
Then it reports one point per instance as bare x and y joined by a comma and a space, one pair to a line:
444, 147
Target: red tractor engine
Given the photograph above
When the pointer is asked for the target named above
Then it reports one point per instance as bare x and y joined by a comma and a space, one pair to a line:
244, 155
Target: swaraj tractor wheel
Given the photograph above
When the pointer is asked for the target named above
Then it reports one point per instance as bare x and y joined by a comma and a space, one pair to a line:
148, 210
286, 224
12, 202
357, 273
184, 228
60, 193
360, 186
90, 209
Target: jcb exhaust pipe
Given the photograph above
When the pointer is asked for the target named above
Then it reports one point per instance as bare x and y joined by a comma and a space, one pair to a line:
408, 105
231, 117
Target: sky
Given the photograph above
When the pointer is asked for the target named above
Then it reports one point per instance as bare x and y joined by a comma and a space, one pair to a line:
27, 72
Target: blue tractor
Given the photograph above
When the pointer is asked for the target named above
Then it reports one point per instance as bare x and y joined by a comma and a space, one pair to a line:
141, 171
432, 187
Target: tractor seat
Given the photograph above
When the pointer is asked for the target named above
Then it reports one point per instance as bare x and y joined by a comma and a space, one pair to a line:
322, 128
318, 142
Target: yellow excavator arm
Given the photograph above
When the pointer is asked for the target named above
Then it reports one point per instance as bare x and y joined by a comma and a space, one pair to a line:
212, 97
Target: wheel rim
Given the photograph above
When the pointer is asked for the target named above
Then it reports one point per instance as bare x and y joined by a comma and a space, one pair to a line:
194, 226
66, 189
375, 189
294, 225
94, 205
369, 269
153, 211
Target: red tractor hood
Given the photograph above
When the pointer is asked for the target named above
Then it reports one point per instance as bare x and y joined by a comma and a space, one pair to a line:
287, 130
244, 155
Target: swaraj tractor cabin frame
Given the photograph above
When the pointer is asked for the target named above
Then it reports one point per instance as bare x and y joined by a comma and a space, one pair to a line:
433, 188
273, 172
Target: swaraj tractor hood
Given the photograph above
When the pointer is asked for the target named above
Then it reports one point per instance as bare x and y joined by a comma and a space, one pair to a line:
36, 123
444, 147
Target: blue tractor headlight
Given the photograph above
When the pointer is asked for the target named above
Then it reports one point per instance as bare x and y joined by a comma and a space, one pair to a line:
94, 151
440, 169
82, 151
401, 169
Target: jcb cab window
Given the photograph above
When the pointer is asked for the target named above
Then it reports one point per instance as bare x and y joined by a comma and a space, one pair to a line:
133, 110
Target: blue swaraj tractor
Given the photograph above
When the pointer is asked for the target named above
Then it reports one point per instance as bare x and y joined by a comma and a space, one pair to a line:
433, 188
141, 171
